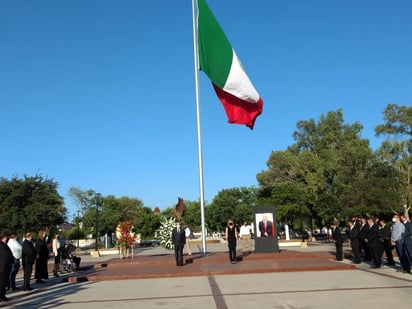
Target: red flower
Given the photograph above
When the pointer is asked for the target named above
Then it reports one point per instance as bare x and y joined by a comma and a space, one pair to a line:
126, 238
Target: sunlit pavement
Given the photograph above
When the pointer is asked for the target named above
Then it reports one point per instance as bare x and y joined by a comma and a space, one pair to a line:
222, 285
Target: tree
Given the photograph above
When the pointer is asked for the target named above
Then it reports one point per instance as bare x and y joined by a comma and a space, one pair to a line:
106, 211
30, 204
147, 222
115, 210
291, 205
398, 124
331, 168
235, 203
87, 205
193, 217
398, 121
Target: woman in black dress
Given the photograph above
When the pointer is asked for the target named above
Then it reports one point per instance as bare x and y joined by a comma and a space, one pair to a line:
231, 238
41, 270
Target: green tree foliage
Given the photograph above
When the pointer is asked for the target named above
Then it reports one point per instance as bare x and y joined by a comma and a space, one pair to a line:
29, 204
292, 205
147, 222
329, 173
192, 216
169, 212
397, 149
115, 210
398, 121
112, 210
87, 202
74, 233
235, 203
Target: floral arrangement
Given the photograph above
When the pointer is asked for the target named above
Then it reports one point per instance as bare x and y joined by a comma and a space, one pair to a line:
164, 233
124, 233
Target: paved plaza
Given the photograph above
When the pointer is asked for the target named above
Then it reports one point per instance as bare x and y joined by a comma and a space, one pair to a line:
293, 278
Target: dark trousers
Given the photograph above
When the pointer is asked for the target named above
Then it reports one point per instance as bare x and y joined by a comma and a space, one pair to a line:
406, 255
366, 251
27, 270
232, 252
3, 282
13, 273
179, 254
339, 251
387, 247
399, 249
374, 250
406, 264
355, 251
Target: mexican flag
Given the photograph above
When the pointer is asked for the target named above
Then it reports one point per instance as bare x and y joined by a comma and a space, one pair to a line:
219, 61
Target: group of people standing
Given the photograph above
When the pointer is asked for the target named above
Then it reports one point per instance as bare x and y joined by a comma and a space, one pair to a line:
371, 237
181, 236
14, 255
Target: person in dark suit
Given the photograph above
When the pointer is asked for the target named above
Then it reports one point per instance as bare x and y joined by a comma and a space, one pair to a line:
372, 240
385, 242
266, 227
362, 236
407, 245
41, 270
178, 240
353, 235
28, 256
6, 261
337, 239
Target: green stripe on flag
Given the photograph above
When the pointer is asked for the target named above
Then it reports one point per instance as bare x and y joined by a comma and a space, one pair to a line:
215, 51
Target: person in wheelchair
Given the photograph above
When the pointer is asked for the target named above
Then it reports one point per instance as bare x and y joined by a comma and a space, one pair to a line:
69, 261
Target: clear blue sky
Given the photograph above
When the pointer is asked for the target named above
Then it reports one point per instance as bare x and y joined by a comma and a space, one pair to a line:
100, 94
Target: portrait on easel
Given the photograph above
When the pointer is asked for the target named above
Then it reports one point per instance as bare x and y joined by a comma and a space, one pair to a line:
265, 225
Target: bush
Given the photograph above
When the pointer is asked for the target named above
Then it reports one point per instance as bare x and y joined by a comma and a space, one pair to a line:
75, 234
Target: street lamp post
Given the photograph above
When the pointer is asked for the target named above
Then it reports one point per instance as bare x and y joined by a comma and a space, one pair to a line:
97, 221
78, 230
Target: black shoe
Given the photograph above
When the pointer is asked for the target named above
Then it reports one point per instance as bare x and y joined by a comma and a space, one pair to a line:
15, 289
28, 289
4, 298
40, 281
390, 264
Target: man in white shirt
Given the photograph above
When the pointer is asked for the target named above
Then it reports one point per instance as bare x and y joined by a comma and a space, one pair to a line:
398, 229
187, 234
245, 237
15, 248
56, 252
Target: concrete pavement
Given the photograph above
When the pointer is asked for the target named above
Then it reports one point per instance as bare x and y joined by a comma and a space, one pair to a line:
349, 287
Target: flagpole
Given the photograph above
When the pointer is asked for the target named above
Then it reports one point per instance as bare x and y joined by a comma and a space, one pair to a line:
199, 140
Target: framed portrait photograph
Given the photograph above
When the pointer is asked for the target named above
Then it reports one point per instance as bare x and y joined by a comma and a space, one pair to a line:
266, 239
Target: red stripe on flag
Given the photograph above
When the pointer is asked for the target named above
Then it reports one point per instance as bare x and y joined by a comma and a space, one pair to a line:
237, 110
